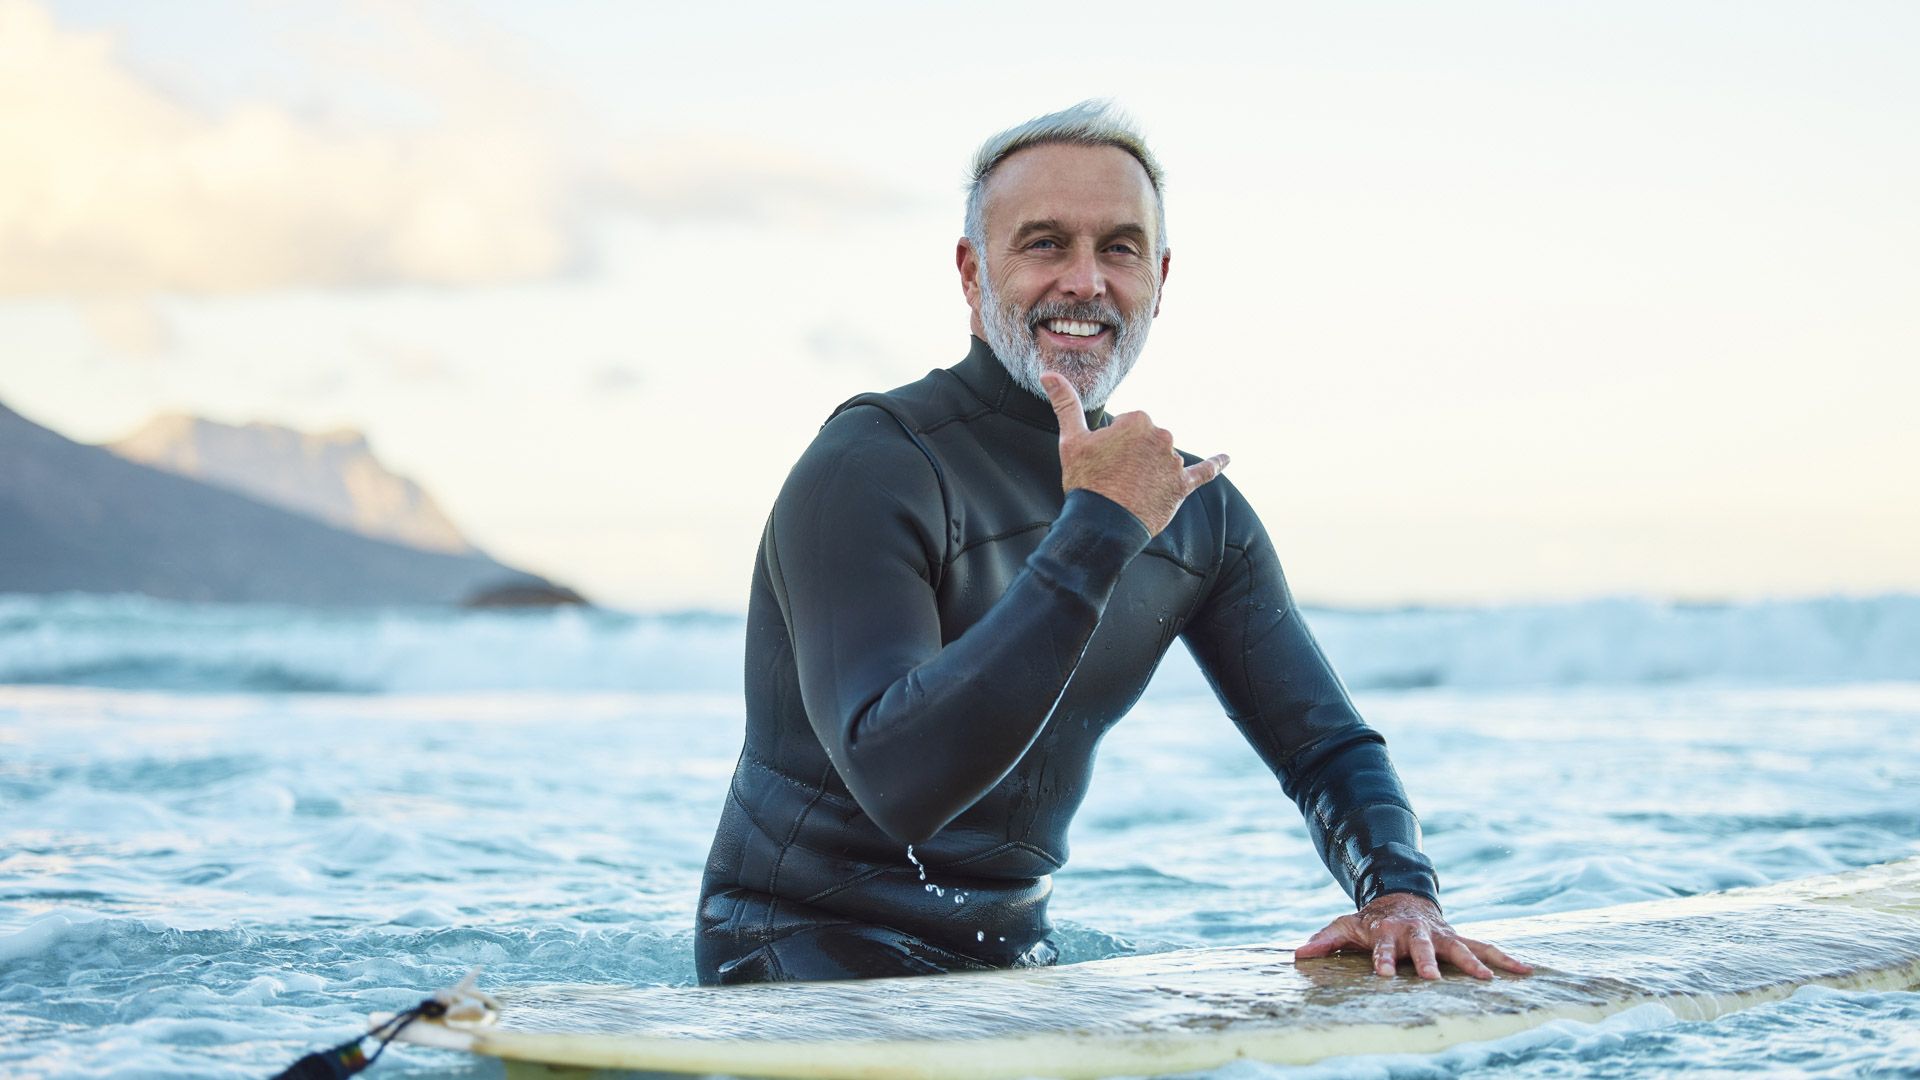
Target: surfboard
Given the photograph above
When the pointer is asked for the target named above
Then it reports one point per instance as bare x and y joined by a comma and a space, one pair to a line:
1194, 1009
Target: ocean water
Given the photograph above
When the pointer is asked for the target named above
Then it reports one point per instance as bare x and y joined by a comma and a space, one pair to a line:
231, 832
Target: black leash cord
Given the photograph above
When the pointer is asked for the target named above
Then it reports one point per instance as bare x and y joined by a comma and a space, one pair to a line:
339, 1062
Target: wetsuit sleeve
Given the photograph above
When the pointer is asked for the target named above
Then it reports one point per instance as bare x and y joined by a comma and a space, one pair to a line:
920, 727
1276, 684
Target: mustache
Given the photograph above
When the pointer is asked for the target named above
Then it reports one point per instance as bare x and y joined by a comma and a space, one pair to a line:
1082, 311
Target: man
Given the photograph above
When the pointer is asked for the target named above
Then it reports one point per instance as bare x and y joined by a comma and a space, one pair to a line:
965, 581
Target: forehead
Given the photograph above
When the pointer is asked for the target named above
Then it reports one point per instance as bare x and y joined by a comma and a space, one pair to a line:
1089, 187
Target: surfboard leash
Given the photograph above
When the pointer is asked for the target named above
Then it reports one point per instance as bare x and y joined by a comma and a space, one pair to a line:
350, 1057
338, 1062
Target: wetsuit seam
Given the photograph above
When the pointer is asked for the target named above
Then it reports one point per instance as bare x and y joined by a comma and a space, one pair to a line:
733, 790
1175, 560
773, 875
1052, 860
862, 877
976, 857
955, 418
1045, 752
1347, 735
1018, 419
1010, 845
773, 954
996, 537
1041, 574
1182, 564
1247, 654
971, 392
767, 767
1246, 632
1193, 606
887, 405
1216, 508
753, 818
999, 405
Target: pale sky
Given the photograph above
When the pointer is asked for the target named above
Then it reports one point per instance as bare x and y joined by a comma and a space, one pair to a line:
1488, 301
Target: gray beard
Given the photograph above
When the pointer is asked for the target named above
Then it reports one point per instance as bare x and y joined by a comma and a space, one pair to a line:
1014, 334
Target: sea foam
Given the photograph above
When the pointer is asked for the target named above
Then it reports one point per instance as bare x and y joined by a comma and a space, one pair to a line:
135, 642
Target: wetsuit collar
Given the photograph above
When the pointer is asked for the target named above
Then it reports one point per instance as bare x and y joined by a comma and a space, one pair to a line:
987, 377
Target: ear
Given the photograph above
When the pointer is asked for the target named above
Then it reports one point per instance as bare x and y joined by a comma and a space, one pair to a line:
967, 261
1166, 265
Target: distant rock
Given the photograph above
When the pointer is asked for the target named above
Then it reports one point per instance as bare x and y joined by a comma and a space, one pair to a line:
331, 475
79, 518
524, 596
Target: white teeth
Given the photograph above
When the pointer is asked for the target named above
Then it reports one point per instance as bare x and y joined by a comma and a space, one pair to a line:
1074, 327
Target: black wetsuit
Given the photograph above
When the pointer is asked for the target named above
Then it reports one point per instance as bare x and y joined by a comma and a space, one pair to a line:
936, 641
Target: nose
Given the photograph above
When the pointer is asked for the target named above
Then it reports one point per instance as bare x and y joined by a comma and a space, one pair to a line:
1082, 278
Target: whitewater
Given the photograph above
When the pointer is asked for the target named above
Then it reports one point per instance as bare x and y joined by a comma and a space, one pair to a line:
230, 832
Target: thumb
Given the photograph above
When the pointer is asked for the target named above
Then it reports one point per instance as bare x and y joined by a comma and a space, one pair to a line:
1066, 404
1331, 939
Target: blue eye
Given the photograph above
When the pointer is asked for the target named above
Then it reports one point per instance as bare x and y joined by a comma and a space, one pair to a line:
1037, 243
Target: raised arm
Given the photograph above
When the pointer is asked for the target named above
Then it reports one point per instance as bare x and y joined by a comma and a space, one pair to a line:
920, 727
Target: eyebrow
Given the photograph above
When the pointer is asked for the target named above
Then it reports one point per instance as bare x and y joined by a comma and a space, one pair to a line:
1028, 228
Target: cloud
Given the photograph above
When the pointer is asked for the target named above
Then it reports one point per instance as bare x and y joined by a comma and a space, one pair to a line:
128, 326
110, 186
732, 179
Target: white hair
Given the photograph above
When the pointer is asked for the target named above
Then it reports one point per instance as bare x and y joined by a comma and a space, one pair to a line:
1094, 122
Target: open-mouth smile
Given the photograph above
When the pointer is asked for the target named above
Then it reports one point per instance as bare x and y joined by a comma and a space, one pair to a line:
1073, 332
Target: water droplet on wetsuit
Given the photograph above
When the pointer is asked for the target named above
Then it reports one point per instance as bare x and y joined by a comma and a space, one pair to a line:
958, 896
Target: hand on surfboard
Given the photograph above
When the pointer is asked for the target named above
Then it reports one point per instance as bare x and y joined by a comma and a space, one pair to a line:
1404, 925
1129, 461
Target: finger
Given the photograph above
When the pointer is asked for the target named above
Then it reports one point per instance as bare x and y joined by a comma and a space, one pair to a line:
1066, 404
1493, 955
1200, 472
1462, 957
1386, 957
1424, 962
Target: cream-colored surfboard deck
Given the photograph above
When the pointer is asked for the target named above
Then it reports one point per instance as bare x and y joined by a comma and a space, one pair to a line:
1199, 1008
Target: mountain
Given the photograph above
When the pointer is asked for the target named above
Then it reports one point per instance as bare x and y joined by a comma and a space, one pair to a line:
332, 476
78, 518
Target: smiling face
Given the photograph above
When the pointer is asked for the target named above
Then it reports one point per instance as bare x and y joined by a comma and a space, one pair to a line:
1068, 279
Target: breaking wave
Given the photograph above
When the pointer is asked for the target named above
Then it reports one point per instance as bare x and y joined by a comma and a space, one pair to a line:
140, 643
